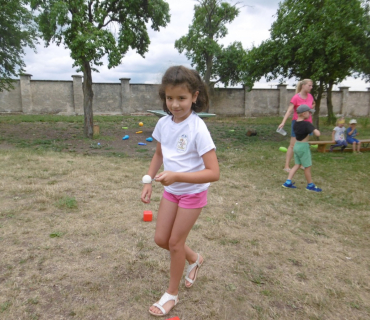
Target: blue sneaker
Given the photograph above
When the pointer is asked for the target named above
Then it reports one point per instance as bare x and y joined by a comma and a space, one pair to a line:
313, 188
289, 186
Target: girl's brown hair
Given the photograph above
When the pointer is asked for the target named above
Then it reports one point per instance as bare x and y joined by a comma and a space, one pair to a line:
301, 83
180, 75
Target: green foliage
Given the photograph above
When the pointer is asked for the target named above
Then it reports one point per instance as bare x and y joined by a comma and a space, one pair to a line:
17, 30
201, 43
320, 39
364, 69
92, 29
229, 66
307, 42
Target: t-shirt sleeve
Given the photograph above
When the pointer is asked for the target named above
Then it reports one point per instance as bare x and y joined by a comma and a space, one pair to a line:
310, 127
294, 100
204, 141
157, 130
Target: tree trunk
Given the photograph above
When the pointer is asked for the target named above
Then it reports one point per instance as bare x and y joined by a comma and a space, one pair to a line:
207, 76
88, 98
331, 117
315, 121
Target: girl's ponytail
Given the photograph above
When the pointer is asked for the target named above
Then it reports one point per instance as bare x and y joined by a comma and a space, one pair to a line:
301, 83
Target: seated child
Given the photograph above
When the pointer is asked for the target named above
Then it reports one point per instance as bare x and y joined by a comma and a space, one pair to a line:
351, 134
338, 135
302, 153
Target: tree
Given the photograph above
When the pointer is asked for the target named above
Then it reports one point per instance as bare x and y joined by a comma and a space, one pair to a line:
203, 50
87, 28
17, 30
364, 69
317, 39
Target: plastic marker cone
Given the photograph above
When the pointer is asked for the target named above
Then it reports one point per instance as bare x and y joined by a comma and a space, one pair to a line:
141, 124
139, 132
147, 215
124, 127
142, 144
150, 139
126, 137
314, 145
175, 318
283, 149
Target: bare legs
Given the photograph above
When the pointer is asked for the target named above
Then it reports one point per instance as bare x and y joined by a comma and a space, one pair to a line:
354, 144
172, 229
289, 154
307, 173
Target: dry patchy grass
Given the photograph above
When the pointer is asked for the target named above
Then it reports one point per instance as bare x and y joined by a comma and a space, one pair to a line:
74, 246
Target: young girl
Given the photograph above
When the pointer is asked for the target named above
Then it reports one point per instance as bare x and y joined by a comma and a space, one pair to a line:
338, 135
187, 151
351, 134
302, 96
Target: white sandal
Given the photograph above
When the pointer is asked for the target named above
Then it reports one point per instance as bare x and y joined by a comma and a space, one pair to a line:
197, 265
164, 299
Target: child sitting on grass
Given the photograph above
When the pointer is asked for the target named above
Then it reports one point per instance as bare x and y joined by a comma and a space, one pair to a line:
338, 136
351, 134
302, 153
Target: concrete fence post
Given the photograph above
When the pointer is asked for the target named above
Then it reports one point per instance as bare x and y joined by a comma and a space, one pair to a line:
78, 95
248, 101
344, 101
125, 95
26, 93
283, 101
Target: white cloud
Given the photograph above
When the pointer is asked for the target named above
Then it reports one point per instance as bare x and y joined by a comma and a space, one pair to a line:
250, 27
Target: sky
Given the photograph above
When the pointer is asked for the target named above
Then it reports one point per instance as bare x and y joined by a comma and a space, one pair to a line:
251, 27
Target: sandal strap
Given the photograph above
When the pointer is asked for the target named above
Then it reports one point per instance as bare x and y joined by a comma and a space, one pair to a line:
160, 308
191, 267
164, 299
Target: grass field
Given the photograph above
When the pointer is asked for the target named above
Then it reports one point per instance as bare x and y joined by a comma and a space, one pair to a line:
73, 244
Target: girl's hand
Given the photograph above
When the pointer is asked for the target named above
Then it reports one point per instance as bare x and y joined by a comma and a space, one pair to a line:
146, 193
166, 178
281, 125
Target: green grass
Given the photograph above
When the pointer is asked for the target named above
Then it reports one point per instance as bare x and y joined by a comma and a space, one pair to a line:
67, 202
74, 244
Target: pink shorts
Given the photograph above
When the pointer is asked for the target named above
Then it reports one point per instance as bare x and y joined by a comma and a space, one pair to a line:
188, 201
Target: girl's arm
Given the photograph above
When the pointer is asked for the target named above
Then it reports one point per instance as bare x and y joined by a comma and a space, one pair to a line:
155, 164
316, 133
287, 114
333, 135
210, 173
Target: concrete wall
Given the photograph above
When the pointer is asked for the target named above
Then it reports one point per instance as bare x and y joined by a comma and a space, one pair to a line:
66, 97
10, 101
52, 95
107, 98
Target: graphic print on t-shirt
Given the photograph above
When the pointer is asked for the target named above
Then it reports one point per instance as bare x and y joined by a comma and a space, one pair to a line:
182, 143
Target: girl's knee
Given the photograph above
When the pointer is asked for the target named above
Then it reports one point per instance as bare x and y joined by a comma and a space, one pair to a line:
175, 244
161, 241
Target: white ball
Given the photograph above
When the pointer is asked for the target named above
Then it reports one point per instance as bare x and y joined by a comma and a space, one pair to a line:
147, 179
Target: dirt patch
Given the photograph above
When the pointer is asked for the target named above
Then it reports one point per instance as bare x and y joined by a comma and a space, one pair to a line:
68, 137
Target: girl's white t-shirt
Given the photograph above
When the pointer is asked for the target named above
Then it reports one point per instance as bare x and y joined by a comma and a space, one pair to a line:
183, 145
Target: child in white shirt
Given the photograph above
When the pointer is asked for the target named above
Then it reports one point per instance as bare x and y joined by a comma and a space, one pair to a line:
338, 135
